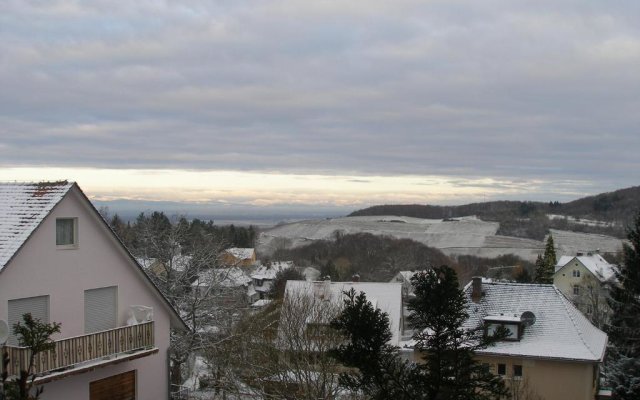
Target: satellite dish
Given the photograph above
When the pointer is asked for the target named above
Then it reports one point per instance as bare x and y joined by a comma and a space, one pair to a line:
528, 318
4, 331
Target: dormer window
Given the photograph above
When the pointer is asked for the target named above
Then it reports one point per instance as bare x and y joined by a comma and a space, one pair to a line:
67, 233
511, 323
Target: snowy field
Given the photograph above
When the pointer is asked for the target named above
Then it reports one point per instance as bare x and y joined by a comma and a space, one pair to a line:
460, 236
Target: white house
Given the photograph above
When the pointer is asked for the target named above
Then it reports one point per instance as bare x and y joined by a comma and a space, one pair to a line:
553, 349
385, 296
586, 279
61, 262
263, 277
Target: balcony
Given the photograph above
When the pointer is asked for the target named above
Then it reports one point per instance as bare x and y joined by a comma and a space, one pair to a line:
86, 352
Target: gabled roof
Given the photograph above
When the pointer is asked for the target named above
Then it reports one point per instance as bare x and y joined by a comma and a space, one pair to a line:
385, 296
222, 277
241, 253
559, 332
23, 206
594, 262
270, 271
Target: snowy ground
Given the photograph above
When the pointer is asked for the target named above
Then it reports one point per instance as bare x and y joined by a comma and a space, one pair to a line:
467, 235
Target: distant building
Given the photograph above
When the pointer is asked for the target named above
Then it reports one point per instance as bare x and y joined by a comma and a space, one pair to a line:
404, 277
229, 285
553, 349
239, 257
586, 279
262, 278
385, 296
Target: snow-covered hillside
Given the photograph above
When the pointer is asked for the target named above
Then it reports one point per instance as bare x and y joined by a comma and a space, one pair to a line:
458, 236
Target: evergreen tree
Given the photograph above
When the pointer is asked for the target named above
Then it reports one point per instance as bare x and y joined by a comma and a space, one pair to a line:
623, 361
624, 331
550, 259
438, 313
380, 372
546, 264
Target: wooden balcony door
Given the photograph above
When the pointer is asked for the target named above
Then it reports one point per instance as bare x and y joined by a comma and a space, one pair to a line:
117, 387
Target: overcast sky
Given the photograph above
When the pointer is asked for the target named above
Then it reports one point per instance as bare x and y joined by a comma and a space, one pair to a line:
350, 102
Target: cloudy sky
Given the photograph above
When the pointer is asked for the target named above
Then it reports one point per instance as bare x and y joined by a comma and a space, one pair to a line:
322, 102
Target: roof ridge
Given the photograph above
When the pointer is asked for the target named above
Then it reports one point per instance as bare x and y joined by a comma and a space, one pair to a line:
566, 304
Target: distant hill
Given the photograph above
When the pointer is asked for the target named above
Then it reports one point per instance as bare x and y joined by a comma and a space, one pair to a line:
605, 213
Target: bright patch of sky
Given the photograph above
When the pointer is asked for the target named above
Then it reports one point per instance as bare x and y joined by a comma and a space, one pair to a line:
268, 189
354, 102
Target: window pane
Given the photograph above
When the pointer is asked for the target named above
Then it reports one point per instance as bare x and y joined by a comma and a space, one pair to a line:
502, 369
64, 231
517, 370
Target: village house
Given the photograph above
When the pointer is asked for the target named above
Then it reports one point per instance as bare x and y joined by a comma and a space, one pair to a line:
385, 296
230, 285
553, 350
238, 257
586, 279
60, 261
262, 278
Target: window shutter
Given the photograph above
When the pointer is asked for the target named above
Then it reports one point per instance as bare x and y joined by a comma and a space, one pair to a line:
100, 309
37, 306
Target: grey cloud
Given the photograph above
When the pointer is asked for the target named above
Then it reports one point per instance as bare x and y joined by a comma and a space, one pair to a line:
370, 87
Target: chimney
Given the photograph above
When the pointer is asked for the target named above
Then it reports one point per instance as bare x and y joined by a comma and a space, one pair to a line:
476, 289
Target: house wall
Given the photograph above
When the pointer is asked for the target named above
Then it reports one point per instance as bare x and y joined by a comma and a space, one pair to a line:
564, 279
549, 379
40, 268
591, 302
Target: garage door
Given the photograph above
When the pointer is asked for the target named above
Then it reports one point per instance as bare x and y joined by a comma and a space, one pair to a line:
117, 387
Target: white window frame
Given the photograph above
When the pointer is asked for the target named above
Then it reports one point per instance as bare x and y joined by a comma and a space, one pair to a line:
73, 245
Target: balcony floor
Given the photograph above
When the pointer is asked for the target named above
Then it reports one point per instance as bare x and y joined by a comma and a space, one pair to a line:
94, 364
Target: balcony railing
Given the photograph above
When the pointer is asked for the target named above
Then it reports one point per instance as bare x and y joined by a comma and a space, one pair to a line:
81, 349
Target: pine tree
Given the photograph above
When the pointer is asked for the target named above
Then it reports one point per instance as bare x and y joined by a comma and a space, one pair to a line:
623, 361
545, 264
550, 259
438, 313
624, 331
380, 372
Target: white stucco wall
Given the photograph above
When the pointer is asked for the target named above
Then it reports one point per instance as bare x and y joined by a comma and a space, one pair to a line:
39, 268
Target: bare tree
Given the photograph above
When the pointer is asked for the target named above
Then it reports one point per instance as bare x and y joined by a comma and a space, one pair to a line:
282, 352
590, 297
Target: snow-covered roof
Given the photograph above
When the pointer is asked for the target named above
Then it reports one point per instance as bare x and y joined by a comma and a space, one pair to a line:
270, 271
594, 262
23, 206
223, 277
261, 303
386, 296
559, 332
403, 275
241, 253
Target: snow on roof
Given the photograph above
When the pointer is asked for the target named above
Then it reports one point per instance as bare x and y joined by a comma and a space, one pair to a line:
503, 318
224, 277
594, 262
241, 253
270, 271
560, 330
386, 296
23, 206
261, 303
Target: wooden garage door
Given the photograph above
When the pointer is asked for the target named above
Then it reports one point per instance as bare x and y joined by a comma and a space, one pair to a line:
117, 387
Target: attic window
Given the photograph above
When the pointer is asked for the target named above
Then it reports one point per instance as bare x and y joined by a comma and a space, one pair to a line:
576, 273
67, 232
